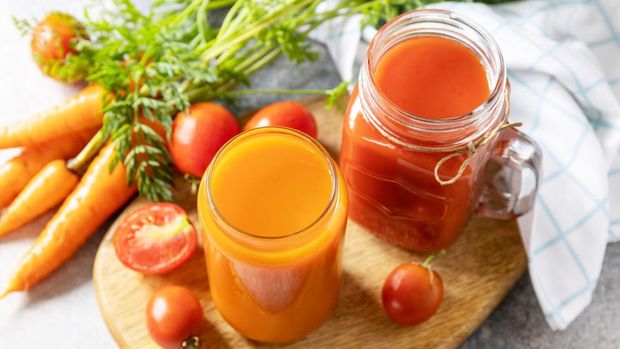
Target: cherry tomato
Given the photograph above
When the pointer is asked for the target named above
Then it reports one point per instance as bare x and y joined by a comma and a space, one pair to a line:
155, 239
287, 114
197, 136
173, 315
412, 293
53, 39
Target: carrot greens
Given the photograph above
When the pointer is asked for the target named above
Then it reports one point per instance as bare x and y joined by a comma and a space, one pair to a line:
156, 62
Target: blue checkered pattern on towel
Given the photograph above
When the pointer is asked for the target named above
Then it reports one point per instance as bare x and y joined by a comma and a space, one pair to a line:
563, 59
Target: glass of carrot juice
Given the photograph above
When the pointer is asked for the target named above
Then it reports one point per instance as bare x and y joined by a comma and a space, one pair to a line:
273, 208
426, 139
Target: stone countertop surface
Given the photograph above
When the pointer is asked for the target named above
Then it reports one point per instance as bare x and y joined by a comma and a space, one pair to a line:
518, 321
62, 311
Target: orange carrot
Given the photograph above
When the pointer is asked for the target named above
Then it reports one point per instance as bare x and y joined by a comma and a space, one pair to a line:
47, 189
15, 174
98, 195
79, 112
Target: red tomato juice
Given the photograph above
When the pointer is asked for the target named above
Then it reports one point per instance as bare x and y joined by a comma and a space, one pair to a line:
392, 188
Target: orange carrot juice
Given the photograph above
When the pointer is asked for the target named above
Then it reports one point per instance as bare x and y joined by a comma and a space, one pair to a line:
273, 207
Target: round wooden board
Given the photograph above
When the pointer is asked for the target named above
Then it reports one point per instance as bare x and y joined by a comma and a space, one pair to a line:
477, 271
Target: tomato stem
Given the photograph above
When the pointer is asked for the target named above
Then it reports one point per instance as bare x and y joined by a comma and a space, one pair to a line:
429, 260
192, 342
193, 181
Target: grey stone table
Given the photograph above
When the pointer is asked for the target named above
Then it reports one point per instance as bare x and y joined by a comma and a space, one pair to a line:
519, 323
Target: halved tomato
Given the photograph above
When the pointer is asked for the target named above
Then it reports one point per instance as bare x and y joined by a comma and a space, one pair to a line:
155, 239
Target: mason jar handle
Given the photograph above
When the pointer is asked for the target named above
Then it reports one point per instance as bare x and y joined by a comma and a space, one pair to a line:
511, 176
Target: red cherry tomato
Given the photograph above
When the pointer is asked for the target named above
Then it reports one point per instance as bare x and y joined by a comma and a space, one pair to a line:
412, 293
53, 39
197, 136
173, 315
287, 114
155, 239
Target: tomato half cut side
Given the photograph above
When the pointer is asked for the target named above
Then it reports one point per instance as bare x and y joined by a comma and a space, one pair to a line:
155, 239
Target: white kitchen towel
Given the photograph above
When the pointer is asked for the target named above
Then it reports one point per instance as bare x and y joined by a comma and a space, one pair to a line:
563, 59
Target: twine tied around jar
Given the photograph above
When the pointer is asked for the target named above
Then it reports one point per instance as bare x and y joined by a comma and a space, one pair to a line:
473, 146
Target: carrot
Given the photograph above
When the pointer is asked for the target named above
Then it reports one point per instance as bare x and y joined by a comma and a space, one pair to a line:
47, 189
98, 195
79, 112
17, 172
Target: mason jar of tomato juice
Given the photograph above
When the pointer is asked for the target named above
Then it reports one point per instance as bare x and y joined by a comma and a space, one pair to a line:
426, 139
273, 207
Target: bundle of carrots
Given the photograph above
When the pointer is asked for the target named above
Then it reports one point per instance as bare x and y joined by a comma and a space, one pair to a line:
39, 179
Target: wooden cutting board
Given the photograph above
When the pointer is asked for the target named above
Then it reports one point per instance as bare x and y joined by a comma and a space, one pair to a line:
477, 271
